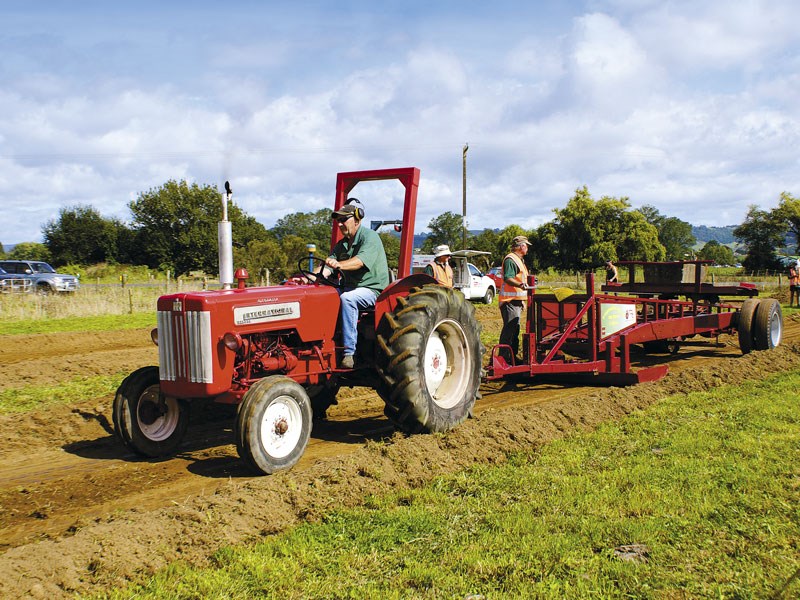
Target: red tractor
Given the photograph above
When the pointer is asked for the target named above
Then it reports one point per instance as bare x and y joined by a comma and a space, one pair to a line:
275, 351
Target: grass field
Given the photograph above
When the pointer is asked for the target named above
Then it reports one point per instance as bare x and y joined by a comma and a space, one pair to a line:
697, 497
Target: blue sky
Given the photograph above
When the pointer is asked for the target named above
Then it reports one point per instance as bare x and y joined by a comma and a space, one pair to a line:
691, 107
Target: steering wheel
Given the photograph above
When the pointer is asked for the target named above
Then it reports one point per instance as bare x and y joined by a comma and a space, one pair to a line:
327, 275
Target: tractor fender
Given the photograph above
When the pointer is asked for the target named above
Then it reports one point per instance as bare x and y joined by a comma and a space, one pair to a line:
387, 300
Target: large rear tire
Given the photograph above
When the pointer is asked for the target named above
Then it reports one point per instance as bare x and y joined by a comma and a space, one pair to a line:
274, 424
429, 360
767, 325
145, 420
744, 327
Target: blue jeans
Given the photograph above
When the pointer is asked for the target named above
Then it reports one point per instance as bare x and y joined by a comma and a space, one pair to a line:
353, 301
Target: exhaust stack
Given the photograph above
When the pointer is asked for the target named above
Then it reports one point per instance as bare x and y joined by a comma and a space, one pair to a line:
225, 242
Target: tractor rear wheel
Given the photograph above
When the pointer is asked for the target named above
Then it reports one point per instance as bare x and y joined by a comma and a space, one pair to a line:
744, 327
429, 360
767, 325
145, 420
274, 424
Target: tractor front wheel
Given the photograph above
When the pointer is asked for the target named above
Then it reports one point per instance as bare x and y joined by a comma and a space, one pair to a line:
145, 420
429, 360
274, 424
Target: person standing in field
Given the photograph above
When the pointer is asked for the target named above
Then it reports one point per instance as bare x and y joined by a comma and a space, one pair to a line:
512, 296
794, 284
439, 268
612, 276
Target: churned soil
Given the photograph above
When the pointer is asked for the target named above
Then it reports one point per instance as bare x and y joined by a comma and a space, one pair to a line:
80, 514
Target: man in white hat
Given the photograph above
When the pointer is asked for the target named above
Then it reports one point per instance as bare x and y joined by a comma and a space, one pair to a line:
439, 268
512, 296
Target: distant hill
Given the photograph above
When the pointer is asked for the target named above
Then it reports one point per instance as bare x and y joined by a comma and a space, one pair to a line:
724, 235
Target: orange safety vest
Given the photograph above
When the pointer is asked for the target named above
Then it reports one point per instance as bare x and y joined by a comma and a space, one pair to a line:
507, 292
442, 273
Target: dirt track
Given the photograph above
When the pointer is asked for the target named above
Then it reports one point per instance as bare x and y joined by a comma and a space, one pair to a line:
80, 514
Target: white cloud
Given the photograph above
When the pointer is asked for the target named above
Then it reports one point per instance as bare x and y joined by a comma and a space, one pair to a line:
689, 107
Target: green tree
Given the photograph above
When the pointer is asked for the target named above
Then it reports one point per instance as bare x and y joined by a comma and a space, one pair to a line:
675, 235
762, 232
81, 236
295, 249
391, 245
487, 241
314, 227
589, 232
721, 255
788, 210
262, 258
544, 247
176, 227
2, 251
30, 251
445, 229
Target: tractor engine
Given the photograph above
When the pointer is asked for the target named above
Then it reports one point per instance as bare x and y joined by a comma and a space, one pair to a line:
216, 344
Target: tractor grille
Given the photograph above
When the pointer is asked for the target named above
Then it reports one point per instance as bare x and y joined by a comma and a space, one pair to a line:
184, 346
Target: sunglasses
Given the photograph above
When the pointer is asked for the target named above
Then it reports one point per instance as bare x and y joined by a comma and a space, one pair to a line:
341, 220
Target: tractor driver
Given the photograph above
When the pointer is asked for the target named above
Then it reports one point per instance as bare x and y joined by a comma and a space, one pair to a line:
361, 258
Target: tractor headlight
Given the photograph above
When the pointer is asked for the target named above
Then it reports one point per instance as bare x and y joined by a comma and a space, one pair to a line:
154, 335
232, 341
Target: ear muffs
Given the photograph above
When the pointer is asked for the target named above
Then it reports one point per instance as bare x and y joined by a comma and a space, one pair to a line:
359, 210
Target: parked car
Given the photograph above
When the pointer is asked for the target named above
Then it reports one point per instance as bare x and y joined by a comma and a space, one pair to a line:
467, 278
41, 276
496, 275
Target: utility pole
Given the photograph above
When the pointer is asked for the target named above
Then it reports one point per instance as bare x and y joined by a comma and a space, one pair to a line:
464, 197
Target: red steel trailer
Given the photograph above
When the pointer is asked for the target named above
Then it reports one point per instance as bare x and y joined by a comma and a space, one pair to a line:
593, 333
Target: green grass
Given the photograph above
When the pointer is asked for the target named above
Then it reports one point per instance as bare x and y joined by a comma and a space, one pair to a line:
30, 398
93, 323
709, 483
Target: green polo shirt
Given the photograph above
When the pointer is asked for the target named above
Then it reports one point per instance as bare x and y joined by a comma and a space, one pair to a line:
368, 247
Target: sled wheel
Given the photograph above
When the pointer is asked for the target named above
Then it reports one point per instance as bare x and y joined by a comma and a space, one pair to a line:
767, 325
745, 325
274, 424
429, 360
145, 420
487, 299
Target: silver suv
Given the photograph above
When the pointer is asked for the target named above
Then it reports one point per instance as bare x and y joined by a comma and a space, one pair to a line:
43, 278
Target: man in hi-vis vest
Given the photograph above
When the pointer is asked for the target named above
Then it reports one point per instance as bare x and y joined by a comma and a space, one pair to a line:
439, 268
513, 294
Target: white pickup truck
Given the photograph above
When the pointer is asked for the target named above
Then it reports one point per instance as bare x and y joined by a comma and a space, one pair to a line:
467, 278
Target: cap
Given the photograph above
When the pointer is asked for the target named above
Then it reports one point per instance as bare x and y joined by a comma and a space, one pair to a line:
443, 250
519, 240
348, 210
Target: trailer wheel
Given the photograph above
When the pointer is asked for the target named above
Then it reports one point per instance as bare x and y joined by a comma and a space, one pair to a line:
767, 325
274, 424
145, 420
489, 296
744, 326
429, 360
